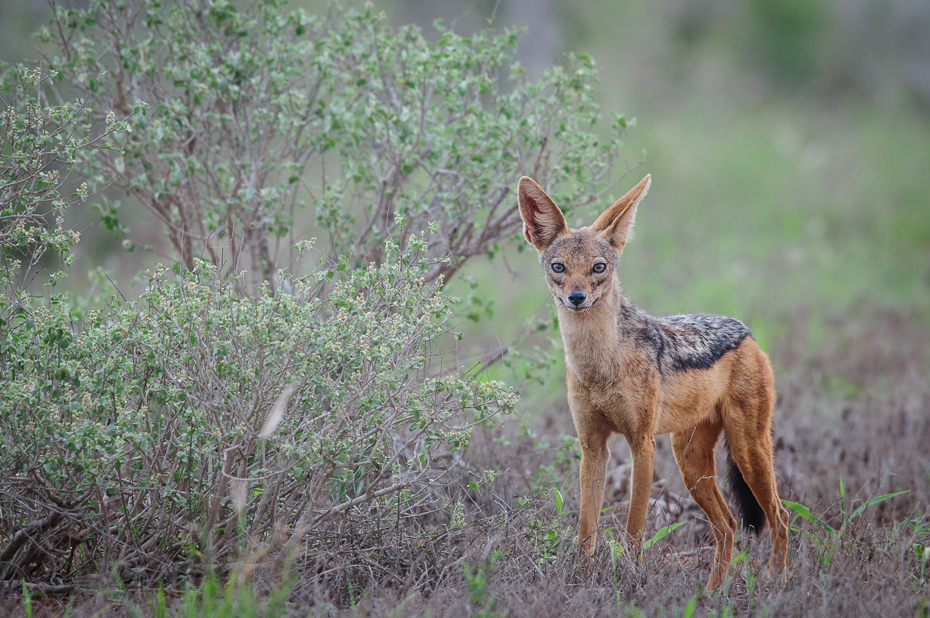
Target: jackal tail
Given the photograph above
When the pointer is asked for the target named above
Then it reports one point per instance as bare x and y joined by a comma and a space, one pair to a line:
750, 513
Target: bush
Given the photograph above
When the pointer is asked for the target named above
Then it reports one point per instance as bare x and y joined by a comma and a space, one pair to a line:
39, 141
231, 413
245, 116
197, 423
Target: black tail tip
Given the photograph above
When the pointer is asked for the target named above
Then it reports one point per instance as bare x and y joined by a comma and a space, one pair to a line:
751, 515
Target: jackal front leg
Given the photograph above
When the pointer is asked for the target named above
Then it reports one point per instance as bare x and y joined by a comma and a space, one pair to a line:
643, 451
594, 456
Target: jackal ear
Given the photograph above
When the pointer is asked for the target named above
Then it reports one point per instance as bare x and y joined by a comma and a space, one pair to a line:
616, 223
542, 219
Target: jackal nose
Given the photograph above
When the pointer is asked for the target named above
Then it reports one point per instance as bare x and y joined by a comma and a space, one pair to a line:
576, 298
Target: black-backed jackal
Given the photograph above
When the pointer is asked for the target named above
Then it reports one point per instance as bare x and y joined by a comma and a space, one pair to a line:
693, 376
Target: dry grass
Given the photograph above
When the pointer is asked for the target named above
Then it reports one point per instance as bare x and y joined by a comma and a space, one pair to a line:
854, 407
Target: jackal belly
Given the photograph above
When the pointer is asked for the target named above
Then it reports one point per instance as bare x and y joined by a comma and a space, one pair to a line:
689, 398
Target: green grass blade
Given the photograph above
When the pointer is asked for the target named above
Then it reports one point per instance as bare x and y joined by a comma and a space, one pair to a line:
876, 501
160, 604
661, 533
842, 503
28, 600
805, 512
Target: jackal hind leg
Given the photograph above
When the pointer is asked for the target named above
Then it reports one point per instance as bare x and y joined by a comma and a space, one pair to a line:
748, 428
694, 452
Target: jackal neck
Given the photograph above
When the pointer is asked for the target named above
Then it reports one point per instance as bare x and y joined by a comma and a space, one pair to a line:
597, 341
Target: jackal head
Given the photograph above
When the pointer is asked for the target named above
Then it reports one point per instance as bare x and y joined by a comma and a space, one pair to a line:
579, 263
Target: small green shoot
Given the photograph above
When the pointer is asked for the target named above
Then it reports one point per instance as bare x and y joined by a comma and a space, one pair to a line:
869, 503
661, 533
160, 603
616, 548
842, 501
923, 564
477, 580
805, 512
28, 600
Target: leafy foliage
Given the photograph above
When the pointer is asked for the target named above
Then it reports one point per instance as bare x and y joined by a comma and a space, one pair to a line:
198, 422
845, 517
232, 410
247, 115
38, 141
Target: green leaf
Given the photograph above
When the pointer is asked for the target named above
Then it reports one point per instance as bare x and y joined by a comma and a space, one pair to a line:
876, 500
805, 512
661, 534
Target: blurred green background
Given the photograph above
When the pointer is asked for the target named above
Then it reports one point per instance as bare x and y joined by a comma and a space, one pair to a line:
789, 143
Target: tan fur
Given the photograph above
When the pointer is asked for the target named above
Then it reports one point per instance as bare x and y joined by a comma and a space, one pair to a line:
615, 384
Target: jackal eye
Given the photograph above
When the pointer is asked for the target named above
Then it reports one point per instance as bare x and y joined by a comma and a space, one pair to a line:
599, 267
557, 267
